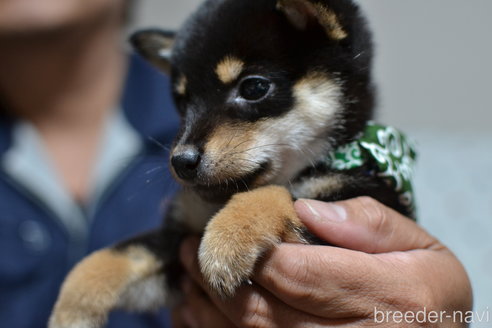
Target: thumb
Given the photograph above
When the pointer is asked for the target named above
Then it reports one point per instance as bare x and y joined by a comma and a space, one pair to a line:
363, 224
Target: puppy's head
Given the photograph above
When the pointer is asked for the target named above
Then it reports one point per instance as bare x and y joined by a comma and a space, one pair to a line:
264, 88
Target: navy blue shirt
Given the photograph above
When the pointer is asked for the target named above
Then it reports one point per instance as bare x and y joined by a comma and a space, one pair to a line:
37, 250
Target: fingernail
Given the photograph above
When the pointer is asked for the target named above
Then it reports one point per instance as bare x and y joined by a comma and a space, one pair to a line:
322, 211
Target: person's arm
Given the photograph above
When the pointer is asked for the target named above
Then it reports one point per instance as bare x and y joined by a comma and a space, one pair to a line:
385, 265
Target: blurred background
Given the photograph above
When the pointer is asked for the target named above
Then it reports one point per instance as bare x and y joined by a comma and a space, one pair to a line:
433, 70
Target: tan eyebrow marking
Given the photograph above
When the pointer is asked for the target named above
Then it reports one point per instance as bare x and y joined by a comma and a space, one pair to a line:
229, 69
181, 85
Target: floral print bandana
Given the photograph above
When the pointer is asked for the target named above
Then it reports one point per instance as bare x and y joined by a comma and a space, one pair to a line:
389, 154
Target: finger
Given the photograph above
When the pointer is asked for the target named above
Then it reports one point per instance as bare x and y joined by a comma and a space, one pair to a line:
201, 311
325, 281
188, 255
177, 318
363, 224
334, 282
252, 306
188, 316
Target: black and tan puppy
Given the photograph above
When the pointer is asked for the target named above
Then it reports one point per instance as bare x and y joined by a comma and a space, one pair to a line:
268, 90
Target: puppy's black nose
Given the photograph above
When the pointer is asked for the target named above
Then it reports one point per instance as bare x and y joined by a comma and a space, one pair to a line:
185, 162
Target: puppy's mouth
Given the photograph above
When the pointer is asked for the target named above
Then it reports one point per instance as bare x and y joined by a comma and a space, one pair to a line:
222, 191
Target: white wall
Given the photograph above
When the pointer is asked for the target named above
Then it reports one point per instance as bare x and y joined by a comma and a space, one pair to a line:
433, 59
164, 13
434, 72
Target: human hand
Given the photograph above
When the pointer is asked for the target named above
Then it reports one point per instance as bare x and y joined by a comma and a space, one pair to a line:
384, 262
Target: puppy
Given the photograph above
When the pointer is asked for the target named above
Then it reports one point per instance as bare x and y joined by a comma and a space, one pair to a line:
275, 98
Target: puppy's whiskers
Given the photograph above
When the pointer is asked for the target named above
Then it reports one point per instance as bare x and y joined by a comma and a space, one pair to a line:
241, 143
231, 138
158, 143
258, 147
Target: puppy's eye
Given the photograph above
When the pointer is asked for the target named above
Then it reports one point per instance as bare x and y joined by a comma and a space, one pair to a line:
254, 88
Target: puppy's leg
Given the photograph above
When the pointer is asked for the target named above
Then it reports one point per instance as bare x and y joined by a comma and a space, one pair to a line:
129, 275
249, 225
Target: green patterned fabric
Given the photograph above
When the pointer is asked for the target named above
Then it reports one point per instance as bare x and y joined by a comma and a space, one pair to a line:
386, 150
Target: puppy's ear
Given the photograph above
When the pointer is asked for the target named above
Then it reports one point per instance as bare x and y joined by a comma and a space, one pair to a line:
156, 46
304, 13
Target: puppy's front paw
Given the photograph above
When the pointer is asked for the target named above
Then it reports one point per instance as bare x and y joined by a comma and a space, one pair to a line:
72, 319
88, 292
251, 224
227, 261
104, 280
